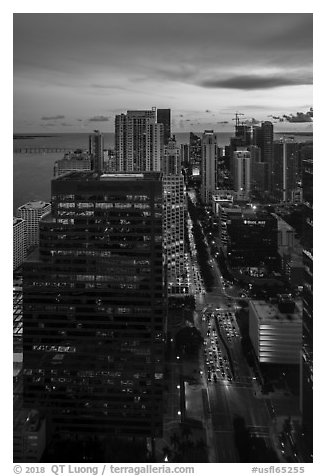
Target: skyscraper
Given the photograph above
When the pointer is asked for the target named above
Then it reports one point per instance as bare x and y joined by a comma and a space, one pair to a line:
138, 141
195, 147
32, 212
306, 390
242, 173
285, 169
263, 137
19, 242
164, 117
174, 219
209, 165
96, 150
94, 306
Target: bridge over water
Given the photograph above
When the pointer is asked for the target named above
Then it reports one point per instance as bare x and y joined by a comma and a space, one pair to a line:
40, 150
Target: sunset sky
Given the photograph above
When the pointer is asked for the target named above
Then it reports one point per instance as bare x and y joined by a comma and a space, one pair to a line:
74, 72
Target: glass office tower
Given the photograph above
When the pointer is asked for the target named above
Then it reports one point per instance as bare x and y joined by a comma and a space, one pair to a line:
94, 306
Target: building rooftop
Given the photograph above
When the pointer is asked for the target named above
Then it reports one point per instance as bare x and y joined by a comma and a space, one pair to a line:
93, 176
282, 224
16, 220
35, 205
221, 195
269, 311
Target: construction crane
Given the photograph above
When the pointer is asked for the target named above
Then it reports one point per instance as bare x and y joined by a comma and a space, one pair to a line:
236, 118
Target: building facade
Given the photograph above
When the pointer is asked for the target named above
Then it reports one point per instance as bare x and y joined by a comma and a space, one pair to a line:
209, 163
174, 219
19, 242
94, 306
306, 390
242, 173
96, 150
263, 137
73, 161
32, 212
276, 332
285, 169
251, 239
164, 117
139, 141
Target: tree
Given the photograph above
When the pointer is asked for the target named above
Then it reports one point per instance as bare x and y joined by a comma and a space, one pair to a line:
188, 340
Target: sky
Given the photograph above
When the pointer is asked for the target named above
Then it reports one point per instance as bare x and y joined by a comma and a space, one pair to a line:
75, 72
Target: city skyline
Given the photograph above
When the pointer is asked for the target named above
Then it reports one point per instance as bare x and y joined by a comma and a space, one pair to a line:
163, 238
75, 72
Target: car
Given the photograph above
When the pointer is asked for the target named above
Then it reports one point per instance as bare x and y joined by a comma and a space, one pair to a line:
215, 378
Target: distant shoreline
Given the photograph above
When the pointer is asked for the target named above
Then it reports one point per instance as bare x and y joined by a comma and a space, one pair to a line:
33, 136
55, 134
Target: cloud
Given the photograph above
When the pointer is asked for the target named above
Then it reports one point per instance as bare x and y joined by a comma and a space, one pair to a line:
99, 119
207, 110
52, 118
300, 116
254, 81
223, 122
64, 124
251, 122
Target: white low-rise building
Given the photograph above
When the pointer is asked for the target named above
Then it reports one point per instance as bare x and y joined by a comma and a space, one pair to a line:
276, 331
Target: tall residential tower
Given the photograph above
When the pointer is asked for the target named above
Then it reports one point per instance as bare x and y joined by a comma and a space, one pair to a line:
138, 141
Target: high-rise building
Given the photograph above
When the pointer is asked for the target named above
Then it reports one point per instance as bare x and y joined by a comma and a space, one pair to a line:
96, 150
209, 165
174, 219
73, 161
171, 163
263, 137
185, 154
164, 117
195, 149
32, 212
138, 141
241, 139
242, 173
258, 170
94, 306
306, 387
285, 169
252, 238
19, 242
